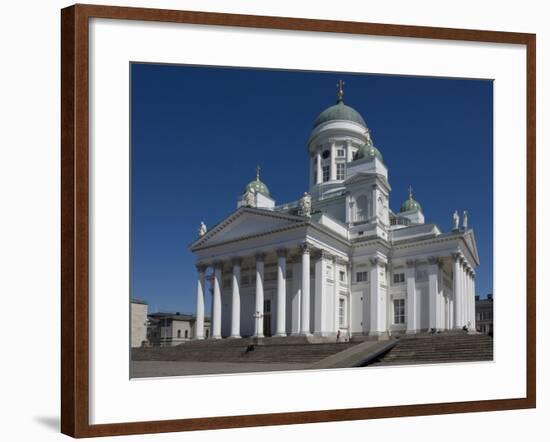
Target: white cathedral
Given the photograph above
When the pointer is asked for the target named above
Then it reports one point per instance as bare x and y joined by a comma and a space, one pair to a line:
338, 262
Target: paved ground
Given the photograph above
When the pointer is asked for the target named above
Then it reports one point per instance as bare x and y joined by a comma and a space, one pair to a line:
145, 369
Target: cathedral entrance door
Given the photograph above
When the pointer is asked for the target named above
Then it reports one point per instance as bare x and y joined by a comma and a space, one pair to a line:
267, 317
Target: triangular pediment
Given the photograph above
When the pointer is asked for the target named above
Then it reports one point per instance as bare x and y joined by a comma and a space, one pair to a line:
470, 241
247, 222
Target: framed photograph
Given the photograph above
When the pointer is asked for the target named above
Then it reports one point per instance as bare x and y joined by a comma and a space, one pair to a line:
289, 221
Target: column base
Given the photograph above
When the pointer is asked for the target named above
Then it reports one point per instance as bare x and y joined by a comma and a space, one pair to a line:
260, 335
199, 338
305, 334
216, 337
280, 335
412, 332
234, 337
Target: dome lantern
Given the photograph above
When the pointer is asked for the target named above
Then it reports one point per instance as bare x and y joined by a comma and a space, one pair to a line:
339, 111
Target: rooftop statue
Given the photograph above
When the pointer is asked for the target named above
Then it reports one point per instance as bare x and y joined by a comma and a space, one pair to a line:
202, 228
456, 220
305, 205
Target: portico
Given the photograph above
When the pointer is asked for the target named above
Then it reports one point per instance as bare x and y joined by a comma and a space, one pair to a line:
254, 274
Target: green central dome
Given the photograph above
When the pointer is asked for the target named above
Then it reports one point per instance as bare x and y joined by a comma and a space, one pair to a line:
410, 204
339, 111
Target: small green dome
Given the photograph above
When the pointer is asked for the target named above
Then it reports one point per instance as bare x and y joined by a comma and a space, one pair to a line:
410, 204
339, 111
257, 185
368, 151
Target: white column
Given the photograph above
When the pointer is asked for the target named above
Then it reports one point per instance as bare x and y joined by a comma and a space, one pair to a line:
217, 303
199, 323
304, 322
460, 304
473, 282
336, 300
349, 152
296, 297
258, 315
433, 291
332, 162
319, 168
464, 295
457, 306
467, 296
281, 293
470, 300
412, 313
377, 301
349, 273
320, 305
374, 202
236, 300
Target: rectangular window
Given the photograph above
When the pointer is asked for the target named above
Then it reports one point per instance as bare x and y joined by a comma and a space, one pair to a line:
326, 173
361, 276
399, 311
342, 276
342, 312
398, 278
340, 152
340, 171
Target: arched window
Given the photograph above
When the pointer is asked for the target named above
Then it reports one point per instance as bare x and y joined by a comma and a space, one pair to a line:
186, 334
362, 208
207, 332
179, 333
380, 208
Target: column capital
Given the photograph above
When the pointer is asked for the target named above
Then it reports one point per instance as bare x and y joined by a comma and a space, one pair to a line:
434, 260
201, 267
456, 256
305, 248
218, 265
237, 261
411, 262
281, 253
260, 256
374, 261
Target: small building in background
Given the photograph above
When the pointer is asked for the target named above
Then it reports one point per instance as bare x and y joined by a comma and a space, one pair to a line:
484, 314
138, 322
168, 329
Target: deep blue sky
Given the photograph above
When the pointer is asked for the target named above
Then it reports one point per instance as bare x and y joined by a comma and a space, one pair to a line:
198, 133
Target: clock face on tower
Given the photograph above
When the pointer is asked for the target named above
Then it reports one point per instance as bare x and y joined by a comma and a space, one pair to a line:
326, 154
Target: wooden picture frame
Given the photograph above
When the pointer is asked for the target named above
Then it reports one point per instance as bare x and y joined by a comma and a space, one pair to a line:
75, 246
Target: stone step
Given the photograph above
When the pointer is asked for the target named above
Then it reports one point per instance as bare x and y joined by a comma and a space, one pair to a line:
439, 348
207, 352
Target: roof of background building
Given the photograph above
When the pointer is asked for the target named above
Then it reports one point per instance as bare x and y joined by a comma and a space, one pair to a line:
138, 301
175, 316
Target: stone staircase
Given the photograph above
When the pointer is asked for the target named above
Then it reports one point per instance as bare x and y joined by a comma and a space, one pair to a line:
438, 348
240, 350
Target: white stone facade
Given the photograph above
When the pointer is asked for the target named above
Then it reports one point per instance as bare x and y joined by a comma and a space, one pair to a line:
348, 265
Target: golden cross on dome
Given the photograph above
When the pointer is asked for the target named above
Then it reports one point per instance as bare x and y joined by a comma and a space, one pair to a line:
340, 93
410, 192
258, 168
